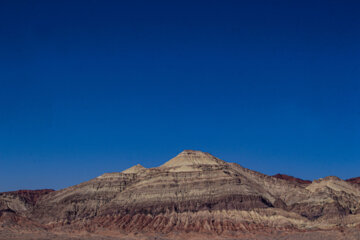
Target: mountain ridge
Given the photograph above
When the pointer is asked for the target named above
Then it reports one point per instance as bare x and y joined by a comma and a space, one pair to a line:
194, 192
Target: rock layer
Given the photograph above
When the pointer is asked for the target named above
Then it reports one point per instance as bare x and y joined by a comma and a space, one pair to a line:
291, 178
193, 192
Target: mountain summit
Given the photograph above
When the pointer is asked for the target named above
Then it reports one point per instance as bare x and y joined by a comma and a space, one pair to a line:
191, 157
134, 169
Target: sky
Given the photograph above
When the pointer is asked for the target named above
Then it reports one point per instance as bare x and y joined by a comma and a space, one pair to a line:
88, 87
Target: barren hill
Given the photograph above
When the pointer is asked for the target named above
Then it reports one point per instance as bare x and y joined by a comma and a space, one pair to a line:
195, 194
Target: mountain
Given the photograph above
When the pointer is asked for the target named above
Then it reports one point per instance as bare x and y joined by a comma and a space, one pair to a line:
193, 195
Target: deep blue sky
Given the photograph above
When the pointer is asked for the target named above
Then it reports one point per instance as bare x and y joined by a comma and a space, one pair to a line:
88, 87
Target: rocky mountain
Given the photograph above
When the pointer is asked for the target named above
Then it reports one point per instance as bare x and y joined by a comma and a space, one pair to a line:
193, 194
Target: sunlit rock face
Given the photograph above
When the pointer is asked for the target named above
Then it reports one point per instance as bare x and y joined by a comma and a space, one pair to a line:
193, 158
194, 192
134, 169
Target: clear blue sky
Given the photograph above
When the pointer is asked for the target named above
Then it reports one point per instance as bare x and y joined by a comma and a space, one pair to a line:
88, 87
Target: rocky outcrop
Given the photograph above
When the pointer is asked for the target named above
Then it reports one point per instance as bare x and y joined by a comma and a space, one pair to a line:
291, 178
195, 192
21, 201
193, 158
354, 180
134, 169
16, 208
29, 196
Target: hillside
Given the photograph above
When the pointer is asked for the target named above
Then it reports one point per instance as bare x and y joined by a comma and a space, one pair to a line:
195, 194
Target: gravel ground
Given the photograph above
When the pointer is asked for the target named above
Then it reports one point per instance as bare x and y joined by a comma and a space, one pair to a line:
348, 235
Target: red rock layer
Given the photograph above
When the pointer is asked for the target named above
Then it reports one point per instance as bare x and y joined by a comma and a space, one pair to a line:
354, 180
291, 178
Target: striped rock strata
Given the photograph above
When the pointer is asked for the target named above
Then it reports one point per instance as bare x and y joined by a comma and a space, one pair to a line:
196, 192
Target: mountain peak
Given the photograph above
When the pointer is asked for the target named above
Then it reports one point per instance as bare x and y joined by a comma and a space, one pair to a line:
192, 157
134, 169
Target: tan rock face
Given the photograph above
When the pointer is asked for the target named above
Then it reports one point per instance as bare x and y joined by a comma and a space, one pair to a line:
198, 193
193, 158
135, 169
